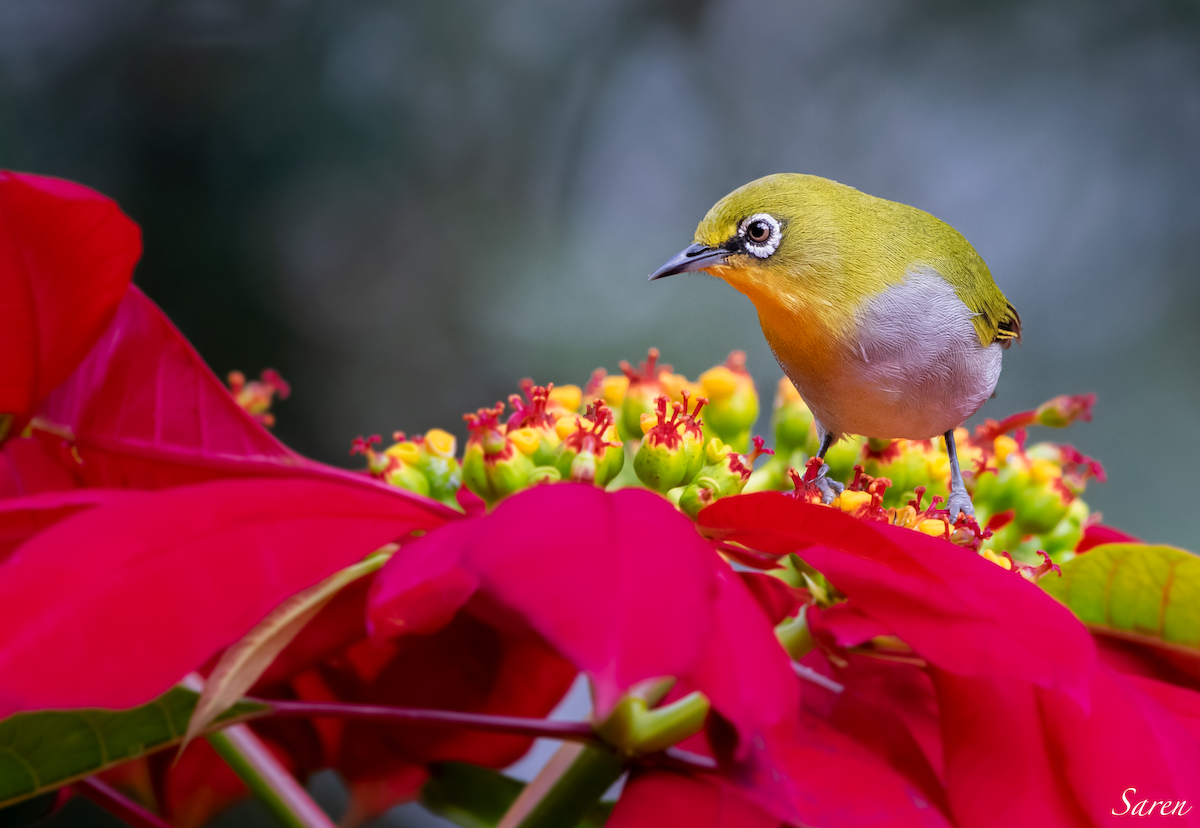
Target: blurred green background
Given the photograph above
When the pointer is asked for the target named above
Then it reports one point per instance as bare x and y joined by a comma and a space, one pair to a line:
405, 207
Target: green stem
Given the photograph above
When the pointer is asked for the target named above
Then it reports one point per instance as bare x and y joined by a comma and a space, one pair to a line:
269, 781
589, 772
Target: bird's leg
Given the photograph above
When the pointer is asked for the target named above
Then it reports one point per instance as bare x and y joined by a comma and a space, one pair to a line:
829, 489
959, 501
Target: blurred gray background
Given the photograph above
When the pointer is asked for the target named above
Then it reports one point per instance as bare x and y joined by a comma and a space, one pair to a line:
405, 207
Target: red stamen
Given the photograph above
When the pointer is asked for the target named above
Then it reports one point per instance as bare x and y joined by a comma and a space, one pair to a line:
647, 372
531, 412
737, 362
363, 445
270, 378
595, 384
591, 438
666, 432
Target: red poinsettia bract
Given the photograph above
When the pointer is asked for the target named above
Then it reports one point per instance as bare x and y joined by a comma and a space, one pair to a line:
1014, 715
622, 586
66, 256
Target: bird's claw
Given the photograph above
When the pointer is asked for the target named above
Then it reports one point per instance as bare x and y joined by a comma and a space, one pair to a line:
960, 501
831, 489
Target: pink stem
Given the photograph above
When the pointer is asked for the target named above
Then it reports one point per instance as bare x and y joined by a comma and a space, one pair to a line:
513, 725
119, 805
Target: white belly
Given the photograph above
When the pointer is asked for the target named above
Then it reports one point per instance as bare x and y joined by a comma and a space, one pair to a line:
915, 370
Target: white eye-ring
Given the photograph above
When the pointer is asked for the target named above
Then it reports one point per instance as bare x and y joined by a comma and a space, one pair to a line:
761, 234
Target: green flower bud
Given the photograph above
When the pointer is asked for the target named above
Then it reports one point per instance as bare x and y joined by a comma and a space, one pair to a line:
589, 451
642, 390
1064, 537
732, 401
493, 465
908, 464
725, 473
672, 452
406, 477
533, 423
1060, 412
432, 456
793, 423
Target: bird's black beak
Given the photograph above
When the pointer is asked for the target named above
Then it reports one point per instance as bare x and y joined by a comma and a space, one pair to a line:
694, 257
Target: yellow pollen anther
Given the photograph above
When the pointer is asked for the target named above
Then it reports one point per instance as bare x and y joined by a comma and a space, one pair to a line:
905, 516
440, 443
566, 426
1005, 446
406, 452
675, 384
1043, 471
852, 501
998, 560
525, 439
719, 382
567, 396
613, 389
937, 466
934, 527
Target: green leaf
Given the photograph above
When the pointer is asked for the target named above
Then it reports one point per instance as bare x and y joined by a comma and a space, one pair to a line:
1134, 590
475, 797
44, 750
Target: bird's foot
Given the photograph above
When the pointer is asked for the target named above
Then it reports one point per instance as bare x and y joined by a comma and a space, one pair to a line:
815, 481
831, 489
960, 501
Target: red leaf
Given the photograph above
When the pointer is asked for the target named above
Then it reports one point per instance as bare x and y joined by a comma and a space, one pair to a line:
620, 584
1061, 764
1183, 704
22, 518
66, 257
843, 625
142, 410
742, 668
137, 593
953, 607
992, 730
1098, 534
1126, 738
889, 708
653, 798
777, 599
820, 776
466, 666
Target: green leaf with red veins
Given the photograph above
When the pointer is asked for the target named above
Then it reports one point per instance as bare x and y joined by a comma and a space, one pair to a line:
1135, 591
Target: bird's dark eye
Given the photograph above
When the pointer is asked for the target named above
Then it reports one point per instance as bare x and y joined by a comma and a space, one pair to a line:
760, 234
758, 231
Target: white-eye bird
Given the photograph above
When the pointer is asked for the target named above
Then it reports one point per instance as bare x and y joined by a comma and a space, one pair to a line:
885, 318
